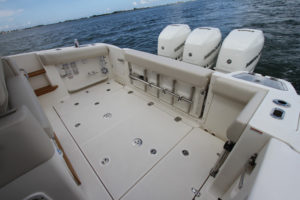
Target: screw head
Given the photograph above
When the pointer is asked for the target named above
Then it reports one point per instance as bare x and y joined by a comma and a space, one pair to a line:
153, 151
150, 103
137, 142
177, 119
185, 152
77, 125
104, 70
107, 116
105, 161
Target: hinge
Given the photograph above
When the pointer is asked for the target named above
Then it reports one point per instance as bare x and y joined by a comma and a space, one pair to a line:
251, 163
196, 192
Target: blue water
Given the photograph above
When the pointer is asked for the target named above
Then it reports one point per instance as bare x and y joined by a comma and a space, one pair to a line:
279, 20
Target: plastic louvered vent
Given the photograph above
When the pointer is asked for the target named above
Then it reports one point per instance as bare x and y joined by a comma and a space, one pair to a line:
38, 196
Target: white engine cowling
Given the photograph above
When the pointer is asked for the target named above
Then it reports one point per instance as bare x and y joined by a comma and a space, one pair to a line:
171, 40
240, 50
202, 46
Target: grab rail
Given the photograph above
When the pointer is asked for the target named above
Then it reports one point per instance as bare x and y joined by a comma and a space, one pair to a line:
164, 90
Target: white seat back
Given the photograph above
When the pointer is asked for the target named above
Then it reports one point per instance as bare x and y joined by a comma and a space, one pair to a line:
21, 93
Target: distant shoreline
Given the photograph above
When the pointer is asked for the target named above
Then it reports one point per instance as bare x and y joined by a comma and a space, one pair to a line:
93, 16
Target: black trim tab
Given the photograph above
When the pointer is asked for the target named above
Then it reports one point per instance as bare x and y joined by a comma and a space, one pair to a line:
213, 50
177, 48
253, 59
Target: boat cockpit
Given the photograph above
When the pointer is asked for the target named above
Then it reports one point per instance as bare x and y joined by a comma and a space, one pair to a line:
102, 122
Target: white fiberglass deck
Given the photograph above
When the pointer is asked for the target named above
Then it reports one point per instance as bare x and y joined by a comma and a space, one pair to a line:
104, 121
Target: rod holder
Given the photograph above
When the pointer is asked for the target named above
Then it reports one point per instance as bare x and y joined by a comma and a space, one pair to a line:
164, 90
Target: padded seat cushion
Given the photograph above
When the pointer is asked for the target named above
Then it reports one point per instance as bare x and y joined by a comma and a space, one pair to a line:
20, 93
24, 145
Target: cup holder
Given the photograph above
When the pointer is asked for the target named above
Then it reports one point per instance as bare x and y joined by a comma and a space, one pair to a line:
281, 103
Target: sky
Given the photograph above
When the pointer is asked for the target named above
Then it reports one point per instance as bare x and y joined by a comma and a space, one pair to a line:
17, 14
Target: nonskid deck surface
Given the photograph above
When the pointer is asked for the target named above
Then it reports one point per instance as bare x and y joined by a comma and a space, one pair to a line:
136, 149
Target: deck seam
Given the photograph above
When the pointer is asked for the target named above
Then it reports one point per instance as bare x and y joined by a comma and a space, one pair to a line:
145, 99
192, 128
83, 153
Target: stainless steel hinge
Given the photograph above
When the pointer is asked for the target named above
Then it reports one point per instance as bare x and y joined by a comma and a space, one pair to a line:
196, 192
249, 166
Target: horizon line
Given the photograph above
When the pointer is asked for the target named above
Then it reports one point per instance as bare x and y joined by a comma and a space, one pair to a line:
94, 16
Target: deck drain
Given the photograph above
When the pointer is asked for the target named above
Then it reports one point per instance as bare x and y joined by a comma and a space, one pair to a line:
107, 116
37, 196
177, 119
153, 151
185, 152
130, 92
137, 142
150, 103
108, 83
77, 125
76, 104
87, 91
61, 101
96, 103
107, 90
105, 161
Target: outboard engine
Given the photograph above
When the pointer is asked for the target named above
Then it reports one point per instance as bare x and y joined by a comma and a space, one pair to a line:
171, 40
202, 46
240, 50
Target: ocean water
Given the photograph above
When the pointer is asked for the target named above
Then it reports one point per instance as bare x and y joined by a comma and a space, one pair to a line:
279, 20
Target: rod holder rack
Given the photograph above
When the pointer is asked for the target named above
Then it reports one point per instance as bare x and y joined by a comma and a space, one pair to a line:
163, 90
